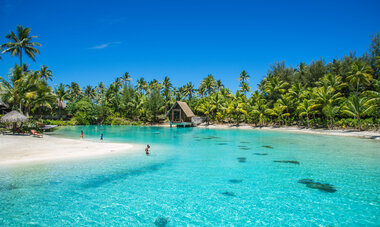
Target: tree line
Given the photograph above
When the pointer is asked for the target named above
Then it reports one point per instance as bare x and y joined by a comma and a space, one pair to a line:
341, 93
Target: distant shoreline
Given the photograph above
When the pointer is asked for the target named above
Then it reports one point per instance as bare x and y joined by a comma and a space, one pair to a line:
334, 132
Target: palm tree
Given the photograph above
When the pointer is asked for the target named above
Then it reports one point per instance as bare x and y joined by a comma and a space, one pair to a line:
167, 90
208, 84
297, 91
219, 85
244, 87
141, 85
243, 79
45, 73
21, 42
274, 87
327, 100
237, 107
89, 92
260, 107
358, 107
334, 81
74, 91
330, 111
100, 91
127, 77
278, 112
61, 93
206, 108
360, 73
305, 108
20, 87
189, 90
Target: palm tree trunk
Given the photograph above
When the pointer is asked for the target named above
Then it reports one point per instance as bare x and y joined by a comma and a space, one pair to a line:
357, 88
21, 58
359, 124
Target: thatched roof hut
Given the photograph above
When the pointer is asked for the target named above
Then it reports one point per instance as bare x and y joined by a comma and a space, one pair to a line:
13, 116
180, 112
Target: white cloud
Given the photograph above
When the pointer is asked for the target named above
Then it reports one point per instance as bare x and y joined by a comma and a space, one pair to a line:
105, 45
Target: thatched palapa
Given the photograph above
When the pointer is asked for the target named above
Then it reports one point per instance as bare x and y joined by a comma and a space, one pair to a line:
180, 112
13, 116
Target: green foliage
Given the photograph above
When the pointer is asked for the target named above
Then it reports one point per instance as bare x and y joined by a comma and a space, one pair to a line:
343, 93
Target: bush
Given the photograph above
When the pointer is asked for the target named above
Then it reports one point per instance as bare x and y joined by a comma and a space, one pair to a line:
57, 122
119, 121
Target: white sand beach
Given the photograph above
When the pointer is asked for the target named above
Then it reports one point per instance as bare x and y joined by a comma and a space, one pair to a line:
16, 149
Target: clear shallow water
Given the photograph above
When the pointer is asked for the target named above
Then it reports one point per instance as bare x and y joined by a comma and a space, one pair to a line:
187, 180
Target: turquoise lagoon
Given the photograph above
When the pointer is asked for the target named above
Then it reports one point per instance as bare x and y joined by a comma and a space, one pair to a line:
199, 177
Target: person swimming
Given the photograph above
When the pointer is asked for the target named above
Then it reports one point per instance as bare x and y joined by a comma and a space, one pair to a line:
147, 149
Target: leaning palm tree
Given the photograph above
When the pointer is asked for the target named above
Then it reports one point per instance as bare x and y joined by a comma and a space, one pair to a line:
21, 42
358, 107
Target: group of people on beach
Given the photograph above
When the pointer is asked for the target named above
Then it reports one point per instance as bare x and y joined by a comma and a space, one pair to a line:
101, 136
101, 140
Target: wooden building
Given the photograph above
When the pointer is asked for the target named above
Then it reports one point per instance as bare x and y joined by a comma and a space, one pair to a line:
180, 114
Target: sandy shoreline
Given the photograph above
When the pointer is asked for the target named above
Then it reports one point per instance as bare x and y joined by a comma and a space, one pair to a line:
335, 132
353, 133
28, 149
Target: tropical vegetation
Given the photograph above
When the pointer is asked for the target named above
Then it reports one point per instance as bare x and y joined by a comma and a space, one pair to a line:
342, 93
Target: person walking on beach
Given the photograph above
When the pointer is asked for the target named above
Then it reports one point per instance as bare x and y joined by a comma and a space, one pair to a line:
147, 149
101, 137
81, 134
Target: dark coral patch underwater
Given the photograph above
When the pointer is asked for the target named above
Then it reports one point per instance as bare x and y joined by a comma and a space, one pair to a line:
267, 146
235, 181
242, 159
260, 153
292, 162
228, 194
316, 185
161, 221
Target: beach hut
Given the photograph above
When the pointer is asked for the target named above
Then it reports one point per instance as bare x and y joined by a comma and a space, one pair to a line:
13, 117
180, 114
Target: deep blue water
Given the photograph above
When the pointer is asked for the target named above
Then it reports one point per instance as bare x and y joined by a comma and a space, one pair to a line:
200, 177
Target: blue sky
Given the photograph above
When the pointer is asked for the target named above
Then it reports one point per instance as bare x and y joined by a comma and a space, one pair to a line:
93, 41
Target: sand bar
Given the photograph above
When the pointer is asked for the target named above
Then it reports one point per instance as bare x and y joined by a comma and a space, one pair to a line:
336, 132
16, 149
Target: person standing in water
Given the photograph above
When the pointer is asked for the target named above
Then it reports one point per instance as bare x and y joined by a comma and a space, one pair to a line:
81, 134
147, 149
101, 137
